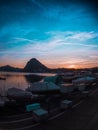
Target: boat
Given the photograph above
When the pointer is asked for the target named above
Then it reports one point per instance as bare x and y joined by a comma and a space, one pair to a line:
86, 79
57, 79
44, 88
18, 94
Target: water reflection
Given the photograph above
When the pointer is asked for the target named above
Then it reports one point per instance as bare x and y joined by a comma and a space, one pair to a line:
33, 78
18, 80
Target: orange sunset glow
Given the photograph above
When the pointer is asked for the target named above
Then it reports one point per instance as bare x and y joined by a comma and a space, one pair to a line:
53, 63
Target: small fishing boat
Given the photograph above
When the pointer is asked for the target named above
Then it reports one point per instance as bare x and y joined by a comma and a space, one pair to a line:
18, 94
44, 88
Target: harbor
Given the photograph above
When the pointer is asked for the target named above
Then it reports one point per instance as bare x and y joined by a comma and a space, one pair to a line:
63, 104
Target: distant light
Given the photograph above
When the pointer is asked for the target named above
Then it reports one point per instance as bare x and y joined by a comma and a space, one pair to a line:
72, 66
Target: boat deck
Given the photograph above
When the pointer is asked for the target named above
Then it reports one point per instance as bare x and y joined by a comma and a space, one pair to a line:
82, 116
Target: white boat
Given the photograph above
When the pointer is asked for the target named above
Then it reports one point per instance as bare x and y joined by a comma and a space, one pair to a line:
44, 88
84, 80
18, 94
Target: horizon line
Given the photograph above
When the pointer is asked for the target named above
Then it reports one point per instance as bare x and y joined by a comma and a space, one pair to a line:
75, 68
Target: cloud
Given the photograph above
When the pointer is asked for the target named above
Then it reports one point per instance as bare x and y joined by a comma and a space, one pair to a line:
82, 36
87, 45
58, 41
22, 39
94, 56
70, 35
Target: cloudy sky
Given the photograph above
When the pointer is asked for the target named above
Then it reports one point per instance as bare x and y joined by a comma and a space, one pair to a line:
59, 33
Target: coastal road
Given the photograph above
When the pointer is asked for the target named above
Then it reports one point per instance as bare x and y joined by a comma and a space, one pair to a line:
84, 116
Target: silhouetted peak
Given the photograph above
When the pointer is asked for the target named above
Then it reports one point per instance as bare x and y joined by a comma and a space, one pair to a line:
7, 66
34, 65
10, 68
33, 60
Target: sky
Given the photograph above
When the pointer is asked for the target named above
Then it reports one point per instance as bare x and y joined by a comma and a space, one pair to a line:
59, 33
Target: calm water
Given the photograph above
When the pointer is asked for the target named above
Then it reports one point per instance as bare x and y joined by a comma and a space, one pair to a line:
18, 80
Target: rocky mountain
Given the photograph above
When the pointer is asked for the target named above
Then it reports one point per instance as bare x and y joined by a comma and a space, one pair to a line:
10, 69
35, 66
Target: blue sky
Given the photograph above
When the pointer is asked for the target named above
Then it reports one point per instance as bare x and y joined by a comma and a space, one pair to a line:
58, 33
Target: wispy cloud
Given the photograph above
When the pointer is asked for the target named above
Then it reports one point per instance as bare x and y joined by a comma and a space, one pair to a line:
94, 56
84, 45
22, 39
70, 35
60, 49
82, 36
64, 38
58, 42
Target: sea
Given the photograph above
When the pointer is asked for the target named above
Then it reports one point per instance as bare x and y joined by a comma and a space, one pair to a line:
19, 80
